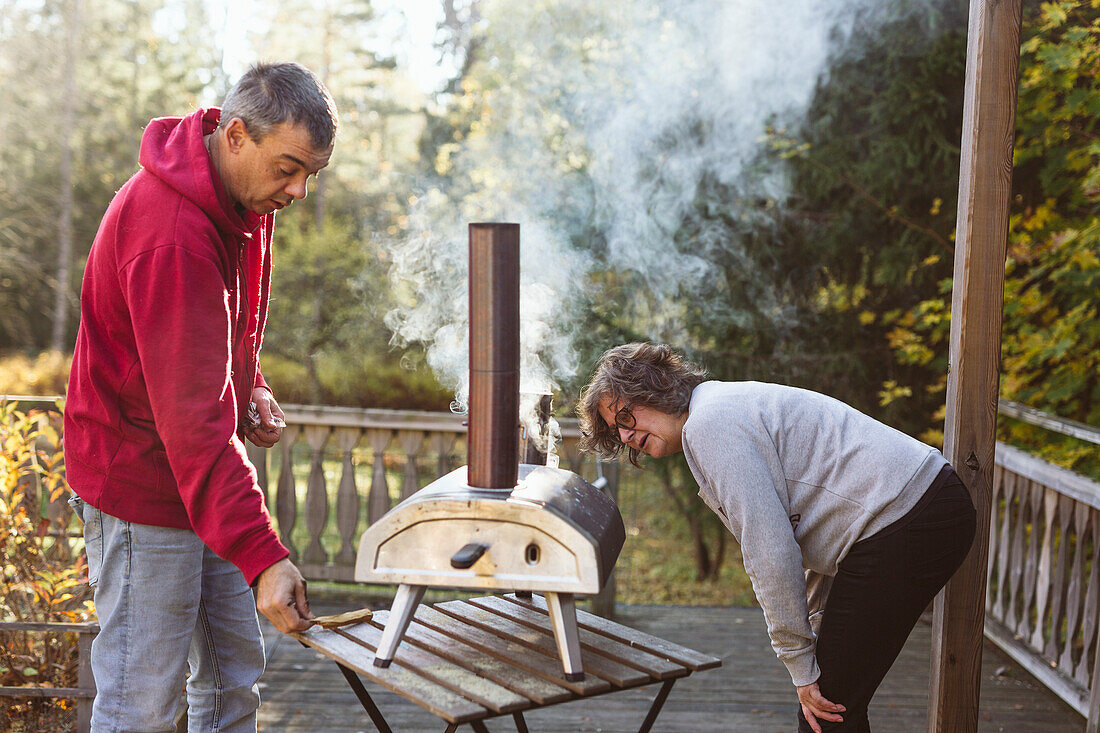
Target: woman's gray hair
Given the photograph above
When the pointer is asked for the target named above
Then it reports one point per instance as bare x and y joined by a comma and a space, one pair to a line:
650, 375
270, 94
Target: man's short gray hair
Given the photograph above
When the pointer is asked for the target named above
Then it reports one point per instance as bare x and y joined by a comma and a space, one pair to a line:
270, 94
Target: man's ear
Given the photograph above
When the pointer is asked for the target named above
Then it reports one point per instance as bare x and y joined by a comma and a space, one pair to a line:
236, 135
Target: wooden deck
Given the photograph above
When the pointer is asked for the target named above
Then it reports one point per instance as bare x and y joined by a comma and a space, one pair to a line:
304, 692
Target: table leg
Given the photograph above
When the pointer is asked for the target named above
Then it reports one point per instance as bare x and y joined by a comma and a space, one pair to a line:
364, 698
478, 726
655, 708
521, 724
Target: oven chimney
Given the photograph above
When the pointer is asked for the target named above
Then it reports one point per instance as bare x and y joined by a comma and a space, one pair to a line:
493, 440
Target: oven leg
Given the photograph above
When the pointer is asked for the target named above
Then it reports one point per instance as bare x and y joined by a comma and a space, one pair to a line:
655, 708
563, 617
364, 698
401, 612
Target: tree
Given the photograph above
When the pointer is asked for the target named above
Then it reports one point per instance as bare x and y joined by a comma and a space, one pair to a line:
65, 234
150, 59
1051, 333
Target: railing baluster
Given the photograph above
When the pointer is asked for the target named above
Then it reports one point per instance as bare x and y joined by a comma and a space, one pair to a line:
347, 497
1075, 593
442, 445
410, 441
1088, 633
286, 496
1031, 561
316, 494
1044, 587
1009, 487
573, 456
997, 493
1016, 561
1056, 642
378, 502
257, 456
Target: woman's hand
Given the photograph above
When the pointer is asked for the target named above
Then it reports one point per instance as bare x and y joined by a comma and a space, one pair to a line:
815, 706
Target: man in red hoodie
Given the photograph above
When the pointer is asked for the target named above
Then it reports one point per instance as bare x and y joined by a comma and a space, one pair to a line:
173, 308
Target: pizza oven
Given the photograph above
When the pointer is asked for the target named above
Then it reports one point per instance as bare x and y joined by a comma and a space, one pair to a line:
495, 524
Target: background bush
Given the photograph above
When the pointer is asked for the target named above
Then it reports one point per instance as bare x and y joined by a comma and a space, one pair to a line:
44, 579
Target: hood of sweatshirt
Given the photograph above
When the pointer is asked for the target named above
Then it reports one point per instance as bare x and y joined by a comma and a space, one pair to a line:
174, 150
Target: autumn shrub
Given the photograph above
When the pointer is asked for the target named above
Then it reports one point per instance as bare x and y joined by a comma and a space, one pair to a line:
44, 579
44, 374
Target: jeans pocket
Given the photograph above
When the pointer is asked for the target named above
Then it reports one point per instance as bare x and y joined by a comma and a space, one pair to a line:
77, 505
93, 536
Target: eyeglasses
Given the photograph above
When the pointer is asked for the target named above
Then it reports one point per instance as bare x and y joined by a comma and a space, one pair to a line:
624, 418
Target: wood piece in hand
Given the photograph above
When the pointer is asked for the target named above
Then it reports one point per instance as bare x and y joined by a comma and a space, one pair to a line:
348, 618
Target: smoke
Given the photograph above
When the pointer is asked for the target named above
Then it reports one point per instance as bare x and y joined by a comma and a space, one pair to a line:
596, 125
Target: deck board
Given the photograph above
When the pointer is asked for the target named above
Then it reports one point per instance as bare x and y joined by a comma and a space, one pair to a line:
303, 691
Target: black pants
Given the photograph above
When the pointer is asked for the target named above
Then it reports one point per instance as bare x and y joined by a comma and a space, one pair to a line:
882, 587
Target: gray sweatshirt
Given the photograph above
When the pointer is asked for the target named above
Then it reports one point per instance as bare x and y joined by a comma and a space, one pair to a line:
798, 478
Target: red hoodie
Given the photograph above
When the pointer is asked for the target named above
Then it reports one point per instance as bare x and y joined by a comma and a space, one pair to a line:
172, 314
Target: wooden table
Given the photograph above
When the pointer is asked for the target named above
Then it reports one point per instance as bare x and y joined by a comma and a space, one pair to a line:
467, 661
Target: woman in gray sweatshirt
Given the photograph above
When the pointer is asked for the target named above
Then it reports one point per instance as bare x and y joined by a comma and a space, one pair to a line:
848, 528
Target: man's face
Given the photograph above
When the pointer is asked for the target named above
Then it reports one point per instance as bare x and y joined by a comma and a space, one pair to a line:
655, 433
266, 176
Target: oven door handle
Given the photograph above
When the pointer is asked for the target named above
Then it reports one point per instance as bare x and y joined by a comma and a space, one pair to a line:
468, 555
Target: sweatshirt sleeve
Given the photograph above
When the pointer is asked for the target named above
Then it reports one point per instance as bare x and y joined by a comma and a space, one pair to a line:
741, 465
181, 315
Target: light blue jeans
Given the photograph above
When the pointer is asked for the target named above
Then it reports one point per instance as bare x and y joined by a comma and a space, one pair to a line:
166, 603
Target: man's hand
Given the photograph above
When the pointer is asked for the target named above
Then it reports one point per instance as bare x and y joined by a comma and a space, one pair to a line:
281, 596
815, 706
270, 427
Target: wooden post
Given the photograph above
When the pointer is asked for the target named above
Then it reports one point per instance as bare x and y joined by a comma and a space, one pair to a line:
985, 178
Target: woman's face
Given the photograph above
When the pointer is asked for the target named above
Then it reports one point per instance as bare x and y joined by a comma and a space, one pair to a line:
650, 431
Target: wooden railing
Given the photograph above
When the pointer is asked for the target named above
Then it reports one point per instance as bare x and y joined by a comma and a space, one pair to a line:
1042, 603
85, 691
1043, 598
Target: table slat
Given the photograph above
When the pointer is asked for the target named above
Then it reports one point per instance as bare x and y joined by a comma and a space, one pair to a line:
425, 693
651, 664
427, 663
521, 681
512, 652
542, 640
696, 661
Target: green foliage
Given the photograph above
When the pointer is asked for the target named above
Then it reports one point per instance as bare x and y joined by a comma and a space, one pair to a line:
325, 342
43, 581
1051, 342
872, 167
1050, 345
357, 380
